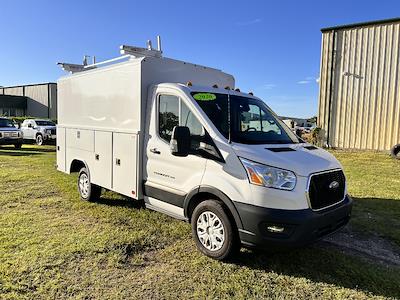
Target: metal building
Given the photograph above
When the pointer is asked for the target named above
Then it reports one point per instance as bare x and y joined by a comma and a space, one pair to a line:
40, 100
359, 96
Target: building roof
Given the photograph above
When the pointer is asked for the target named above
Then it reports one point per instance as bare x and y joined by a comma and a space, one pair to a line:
21, 85
353, 25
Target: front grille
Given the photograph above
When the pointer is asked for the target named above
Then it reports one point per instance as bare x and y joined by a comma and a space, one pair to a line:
10, 134
323, 191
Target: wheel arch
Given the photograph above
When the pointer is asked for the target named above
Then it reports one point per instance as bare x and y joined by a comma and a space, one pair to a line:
205, 192
77, 164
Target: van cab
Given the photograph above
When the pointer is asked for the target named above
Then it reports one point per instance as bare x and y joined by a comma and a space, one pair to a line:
199, 150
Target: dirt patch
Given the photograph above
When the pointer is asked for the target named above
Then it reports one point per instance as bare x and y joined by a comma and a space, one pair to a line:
370, 247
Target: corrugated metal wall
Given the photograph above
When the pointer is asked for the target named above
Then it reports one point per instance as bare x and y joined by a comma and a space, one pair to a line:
359, 100
14, 91
41, 99
38, 104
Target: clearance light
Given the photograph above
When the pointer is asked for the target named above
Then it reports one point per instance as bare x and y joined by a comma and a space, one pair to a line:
251, 93
227, 87
215, 86
237, 90
189, 83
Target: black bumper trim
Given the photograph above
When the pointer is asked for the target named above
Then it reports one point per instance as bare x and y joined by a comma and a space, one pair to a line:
301, 227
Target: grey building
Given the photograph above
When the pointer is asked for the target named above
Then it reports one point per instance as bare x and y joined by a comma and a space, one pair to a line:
34, 100
359, 96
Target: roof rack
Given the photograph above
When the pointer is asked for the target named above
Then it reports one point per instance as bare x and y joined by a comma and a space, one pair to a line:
126, 51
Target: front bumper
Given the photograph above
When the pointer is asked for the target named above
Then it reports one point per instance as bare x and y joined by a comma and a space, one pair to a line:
50, 137
10, 141
301, 227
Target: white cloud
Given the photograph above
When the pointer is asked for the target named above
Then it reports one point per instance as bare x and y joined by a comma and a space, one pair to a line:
268, 86
250, 22
308, 80
303, 82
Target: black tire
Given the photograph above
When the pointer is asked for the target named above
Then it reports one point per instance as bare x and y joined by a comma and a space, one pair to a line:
231, 243
395, 152
18, 146
39, 139
88, 191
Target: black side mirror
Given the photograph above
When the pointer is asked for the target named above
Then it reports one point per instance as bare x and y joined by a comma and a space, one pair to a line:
180, 141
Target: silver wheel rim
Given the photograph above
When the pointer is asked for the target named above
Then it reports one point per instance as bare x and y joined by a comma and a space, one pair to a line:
210, 231
84, 185
39, 140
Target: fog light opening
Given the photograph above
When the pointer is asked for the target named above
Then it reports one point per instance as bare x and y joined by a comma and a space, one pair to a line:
275, 229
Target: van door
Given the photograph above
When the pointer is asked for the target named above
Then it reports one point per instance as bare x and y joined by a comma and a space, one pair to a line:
170, 178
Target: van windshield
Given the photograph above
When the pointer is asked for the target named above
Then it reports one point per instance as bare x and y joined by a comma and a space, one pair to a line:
250, 121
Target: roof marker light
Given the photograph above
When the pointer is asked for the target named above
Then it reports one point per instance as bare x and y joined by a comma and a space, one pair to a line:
227, 87
189, 83
215, 86
251, 93
237, 90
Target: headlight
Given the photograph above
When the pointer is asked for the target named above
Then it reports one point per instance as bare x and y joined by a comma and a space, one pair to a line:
269, 176
48, 131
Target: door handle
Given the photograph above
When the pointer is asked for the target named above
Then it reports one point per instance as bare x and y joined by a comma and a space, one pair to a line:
155, 151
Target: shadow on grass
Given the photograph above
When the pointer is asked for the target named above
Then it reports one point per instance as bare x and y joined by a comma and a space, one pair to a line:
130, 203
321, 265
336, 266
24, 151
18, 153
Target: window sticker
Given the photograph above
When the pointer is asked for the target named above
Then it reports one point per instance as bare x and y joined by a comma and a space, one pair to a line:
204, 97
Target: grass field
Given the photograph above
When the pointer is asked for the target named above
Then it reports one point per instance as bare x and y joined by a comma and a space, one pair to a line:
53, 245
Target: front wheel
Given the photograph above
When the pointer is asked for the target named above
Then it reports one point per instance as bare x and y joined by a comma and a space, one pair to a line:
215, 234
39, 140
87, 190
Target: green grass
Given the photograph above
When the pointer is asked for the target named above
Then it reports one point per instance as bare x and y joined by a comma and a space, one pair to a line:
53, 245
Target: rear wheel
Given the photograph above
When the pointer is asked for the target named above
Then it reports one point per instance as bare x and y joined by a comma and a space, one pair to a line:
39, 140
395, 152
87, 190
215, 234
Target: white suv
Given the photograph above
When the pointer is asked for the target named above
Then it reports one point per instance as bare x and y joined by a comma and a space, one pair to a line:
39, 130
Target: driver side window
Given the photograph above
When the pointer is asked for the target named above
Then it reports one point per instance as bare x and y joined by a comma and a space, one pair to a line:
173, 112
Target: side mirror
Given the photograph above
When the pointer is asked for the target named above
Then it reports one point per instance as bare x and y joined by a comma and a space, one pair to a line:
180, 141
29, 125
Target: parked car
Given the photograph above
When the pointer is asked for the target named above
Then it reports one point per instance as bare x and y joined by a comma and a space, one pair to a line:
37, 130
9, 134
395, 152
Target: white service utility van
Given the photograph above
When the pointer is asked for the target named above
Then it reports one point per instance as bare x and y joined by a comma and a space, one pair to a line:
180, 137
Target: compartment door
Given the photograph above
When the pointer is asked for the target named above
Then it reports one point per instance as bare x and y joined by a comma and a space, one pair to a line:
61, 149
125, 164
102, 161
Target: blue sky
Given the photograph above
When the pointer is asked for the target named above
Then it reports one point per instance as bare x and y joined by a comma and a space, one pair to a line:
271, 47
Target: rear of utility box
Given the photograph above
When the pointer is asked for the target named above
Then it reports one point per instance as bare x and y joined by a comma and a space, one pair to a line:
99, 125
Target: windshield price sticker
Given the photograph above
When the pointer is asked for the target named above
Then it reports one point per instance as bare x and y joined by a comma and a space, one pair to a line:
204, 96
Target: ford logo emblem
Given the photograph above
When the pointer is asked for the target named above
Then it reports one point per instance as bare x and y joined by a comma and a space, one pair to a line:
334, 185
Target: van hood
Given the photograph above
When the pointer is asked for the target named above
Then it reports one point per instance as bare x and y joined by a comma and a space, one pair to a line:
293, 157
